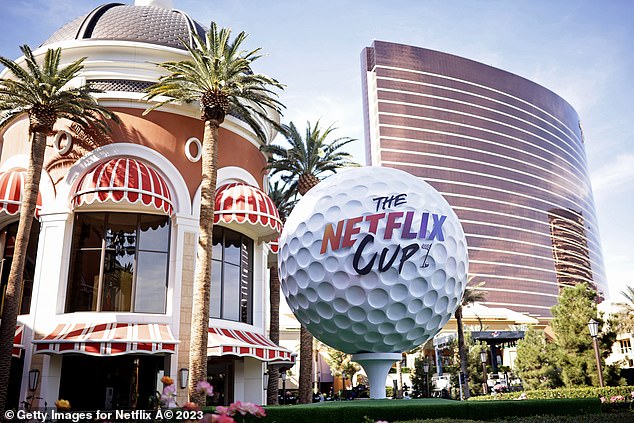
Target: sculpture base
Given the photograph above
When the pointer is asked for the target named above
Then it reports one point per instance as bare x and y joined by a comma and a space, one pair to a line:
377, 366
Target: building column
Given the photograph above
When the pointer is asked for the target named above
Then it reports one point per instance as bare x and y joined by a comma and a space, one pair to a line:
186, 238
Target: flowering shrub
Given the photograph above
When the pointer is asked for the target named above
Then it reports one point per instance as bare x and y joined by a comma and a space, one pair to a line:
204, 386
168, 396
236, 412
617, 402
585, 392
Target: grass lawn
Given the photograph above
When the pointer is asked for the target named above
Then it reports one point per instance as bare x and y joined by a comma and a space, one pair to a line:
439, 410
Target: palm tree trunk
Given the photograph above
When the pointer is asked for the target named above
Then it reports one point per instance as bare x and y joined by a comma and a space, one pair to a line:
305, 337
13, 295
274, 334
305, 366
202, 275
462, 352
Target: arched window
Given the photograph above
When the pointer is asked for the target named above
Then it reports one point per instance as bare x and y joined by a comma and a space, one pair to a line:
231, 276
119, 262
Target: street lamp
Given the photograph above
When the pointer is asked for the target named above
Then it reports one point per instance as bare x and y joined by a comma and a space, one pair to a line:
483, 359
593, 326
426, 370
34, 379
283, 376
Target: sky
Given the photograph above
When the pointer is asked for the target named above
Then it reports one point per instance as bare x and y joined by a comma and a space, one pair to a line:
580, 49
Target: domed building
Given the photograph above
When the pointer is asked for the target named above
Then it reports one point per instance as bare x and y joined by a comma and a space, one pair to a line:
107, 302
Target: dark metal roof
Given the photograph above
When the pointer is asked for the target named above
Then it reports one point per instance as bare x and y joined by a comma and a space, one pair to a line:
116, 21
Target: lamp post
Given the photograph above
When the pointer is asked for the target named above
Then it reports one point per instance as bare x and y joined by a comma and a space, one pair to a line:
593, 326
483, 359
426, 370
283, 376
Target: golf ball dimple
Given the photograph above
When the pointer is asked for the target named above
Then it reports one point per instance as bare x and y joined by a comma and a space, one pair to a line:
373, 260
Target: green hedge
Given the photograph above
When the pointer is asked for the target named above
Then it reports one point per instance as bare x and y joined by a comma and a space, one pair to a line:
400, 410
585, 392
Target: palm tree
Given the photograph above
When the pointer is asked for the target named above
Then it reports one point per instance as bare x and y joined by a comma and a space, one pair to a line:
43, 93
309, 157
471, 295
284, 201
219, 77
628, 293
624, 319
300, 166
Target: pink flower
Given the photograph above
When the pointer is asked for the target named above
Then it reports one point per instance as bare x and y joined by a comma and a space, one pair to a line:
224, 411
244, 408
617, 398
217, 418
168, 395
204, 386
603, 399
250, 408
381, 421
632, 394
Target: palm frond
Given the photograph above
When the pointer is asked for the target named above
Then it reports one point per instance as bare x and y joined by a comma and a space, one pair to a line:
38, 87
312, 153
218, 65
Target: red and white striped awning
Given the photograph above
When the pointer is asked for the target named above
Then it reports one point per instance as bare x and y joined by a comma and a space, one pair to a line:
108, 339
244, 344
124, 180
274, 246
245, 204
18, 346
11, 189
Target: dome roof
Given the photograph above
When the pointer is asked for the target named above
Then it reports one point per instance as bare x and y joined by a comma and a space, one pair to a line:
121, 22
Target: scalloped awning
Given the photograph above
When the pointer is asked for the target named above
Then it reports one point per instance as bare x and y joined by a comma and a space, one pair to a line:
108, 339
242, 343
243, 204
11, 189
124, 180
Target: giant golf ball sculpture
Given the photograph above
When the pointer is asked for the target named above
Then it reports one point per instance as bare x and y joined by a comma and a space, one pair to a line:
373, 261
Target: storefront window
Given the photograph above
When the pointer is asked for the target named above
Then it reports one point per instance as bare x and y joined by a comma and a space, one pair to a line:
7, 244
119, 263
231, 276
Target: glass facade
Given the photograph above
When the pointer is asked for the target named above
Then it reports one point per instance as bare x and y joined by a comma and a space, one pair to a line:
231, 276
119, 263
506, 153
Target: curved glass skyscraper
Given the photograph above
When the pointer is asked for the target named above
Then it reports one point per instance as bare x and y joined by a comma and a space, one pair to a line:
508, 155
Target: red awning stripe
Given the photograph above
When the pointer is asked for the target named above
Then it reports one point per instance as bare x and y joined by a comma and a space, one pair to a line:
18, 346
11, 189
241, 343
243, 203
124, 179
108, 339
275, 246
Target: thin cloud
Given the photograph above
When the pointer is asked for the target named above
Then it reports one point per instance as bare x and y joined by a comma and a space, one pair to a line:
613, 176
